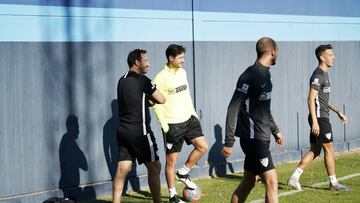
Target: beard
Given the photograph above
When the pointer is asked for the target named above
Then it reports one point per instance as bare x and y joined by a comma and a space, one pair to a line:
273, 61
144, 69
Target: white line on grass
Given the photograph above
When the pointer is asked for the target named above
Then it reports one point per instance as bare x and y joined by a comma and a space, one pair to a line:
314, 185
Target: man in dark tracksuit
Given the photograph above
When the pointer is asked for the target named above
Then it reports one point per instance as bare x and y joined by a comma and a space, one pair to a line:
249, 117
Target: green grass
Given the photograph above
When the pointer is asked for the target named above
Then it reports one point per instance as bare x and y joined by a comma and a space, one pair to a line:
220, 189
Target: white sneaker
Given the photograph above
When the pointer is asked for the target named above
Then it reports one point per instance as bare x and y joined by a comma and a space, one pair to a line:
293, 182
186, 180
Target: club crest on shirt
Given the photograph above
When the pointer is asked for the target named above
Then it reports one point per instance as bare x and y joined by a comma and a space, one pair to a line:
244, 88
326, 90
316, 81
264, 161
328, 136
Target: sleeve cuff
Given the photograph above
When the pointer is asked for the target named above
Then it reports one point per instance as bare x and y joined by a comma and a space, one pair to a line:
229, 144
165, 128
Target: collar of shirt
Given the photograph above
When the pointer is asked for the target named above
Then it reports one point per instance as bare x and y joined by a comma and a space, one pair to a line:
171, 70
321, 70
259, 65
261, 68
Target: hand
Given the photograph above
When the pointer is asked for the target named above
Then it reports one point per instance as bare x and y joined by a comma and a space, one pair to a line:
342, 117
151, 102
279, 139
315, 129
226, 151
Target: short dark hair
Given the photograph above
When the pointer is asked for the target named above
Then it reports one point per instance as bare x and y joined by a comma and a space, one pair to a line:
174, 50
135, 55
264, 45
321, 49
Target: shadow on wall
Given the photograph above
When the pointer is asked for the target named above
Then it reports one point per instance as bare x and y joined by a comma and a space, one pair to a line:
72, 159
217, 162
70, 68
109, 139
111, 149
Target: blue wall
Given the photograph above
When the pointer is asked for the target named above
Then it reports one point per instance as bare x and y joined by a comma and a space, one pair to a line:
60, 62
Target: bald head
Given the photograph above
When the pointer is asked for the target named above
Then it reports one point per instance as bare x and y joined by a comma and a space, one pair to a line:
264, 46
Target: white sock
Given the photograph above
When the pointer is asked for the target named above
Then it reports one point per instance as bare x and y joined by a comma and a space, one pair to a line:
333, 180
184, 170
297, 173
172, 192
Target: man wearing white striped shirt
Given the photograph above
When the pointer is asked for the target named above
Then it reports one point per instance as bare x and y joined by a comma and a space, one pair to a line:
321, 136
135, 94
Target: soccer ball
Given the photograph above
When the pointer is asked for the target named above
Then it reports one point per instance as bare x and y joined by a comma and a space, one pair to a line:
192, 195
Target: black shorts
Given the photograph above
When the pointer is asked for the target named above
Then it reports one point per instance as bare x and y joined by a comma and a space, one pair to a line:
257, 156
179, 132
140, 147
325, 135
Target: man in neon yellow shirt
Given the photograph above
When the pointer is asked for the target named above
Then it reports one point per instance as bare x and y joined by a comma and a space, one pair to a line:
178, 119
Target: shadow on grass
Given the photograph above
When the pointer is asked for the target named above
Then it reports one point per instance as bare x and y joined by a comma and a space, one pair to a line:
230, 177
315, 188
96, 201
137, 196
285, 186
145, 195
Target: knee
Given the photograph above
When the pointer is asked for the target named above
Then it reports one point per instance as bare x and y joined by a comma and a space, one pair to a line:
171, 162
202, 147
271, 184
122, 170
157, 168
328, 151
154, 168
244, 188
251, 185
328, 147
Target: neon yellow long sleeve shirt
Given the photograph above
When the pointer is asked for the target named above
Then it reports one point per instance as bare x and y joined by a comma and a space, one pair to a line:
173, 84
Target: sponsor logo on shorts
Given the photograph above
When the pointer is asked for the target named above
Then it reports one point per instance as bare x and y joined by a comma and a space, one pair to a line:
169, 145
328, 136
244, 88
264, 161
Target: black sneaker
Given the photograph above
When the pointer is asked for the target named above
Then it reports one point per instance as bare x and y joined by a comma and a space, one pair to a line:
175, 199
186, 180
